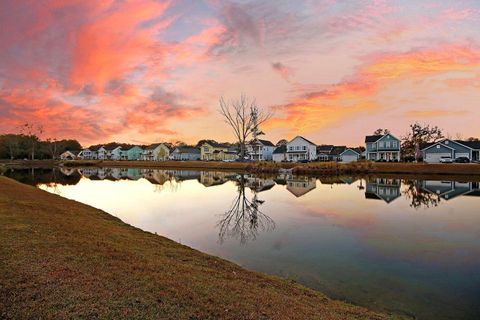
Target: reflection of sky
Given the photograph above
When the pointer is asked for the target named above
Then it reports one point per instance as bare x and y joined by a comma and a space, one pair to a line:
368, 251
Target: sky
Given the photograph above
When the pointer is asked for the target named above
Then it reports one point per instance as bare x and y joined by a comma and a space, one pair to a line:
144, 71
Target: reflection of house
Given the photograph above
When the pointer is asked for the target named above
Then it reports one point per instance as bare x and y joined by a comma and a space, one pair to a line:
185, 154
88, 172
383, 189
213, 178
68, 171
450, 189
260, 150
300, 185
183, 175
258, 184
156, 176
382, 147
433, 152
301, 149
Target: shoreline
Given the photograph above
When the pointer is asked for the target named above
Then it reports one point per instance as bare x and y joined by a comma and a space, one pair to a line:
312, 168
63, 258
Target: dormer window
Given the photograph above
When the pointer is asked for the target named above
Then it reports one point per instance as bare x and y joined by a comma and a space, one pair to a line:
446, 142
438, 147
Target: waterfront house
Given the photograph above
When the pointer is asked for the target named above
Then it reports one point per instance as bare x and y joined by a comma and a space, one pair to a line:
102, 153
90, 153
70, 155
209, 150
383, 148
260, 150
185, 154
131, 153
222, 155
433, 152
280, 154
324, 152
349, 155
116, 153
156, 152
301, 149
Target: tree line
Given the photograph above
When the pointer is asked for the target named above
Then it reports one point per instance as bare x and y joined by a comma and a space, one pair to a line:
25, 146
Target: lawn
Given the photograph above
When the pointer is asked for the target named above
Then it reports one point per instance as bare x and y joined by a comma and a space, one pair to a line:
63, 259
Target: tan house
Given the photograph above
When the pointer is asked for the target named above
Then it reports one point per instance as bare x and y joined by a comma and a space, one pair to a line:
210, 151
156, 152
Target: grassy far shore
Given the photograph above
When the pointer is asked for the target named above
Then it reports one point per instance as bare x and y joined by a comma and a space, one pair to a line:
64, 259
319, 168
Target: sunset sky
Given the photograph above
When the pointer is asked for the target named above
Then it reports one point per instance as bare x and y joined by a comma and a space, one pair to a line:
145, 71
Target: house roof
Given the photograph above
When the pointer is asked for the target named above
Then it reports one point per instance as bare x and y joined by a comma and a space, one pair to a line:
337, 150
152, 146
426, 145
217, 145
280, 149
264, 142
470, 144
303, 139
373, 138
94, 148
325, 148
188, 150
353, 149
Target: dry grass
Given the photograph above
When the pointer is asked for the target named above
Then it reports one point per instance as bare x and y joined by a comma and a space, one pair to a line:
63, 259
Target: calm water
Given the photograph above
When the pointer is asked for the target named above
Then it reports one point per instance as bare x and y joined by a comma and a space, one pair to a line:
402, 245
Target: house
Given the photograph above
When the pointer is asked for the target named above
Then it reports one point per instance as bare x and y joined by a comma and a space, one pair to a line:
132, 153
185, 154
324, 152
70, 155
102, 153
349, 155
280, 154
90, 153
260, 150
116, 153
156, 152
301, 149
222, 155
209, 150
433, 152
383, 148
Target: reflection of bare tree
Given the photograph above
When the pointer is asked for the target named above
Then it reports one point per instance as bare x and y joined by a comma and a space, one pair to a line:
419, 197
244, 220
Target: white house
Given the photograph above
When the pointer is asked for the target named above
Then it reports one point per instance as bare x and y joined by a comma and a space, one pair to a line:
301, 149
116, 153
69, 155
185, 153
90, 153
260, 150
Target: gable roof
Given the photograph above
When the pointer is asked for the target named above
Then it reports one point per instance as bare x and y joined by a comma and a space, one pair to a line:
303, 139
187, 150
470, 144
217, 145
351, 149
325, 148
280, 149
373, 138
264, 142
337, 150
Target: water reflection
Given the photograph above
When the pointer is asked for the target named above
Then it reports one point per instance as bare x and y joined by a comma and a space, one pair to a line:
244, 220
399, 244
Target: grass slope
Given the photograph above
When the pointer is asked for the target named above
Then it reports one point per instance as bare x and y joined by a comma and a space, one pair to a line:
64, 259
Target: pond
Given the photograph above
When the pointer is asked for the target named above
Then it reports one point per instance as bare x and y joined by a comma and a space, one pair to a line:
398, 244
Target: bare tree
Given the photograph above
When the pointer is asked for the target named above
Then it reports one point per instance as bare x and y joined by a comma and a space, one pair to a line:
418, 135
419, 197
244, 117
244, 220
52, 147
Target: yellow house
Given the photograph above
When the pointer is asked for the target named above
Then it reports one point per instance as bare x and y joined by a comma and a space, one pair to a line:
210, 150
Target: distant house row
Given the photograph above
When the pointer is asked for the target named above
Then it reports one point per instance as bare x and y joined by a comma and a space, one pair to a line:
384, 147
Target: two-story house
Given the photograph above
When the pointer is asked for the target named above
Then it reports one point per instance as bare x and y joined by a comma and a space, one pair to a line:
90, 153
211, 150
260, 150
301, 149
382, 148
156, 152
185, 154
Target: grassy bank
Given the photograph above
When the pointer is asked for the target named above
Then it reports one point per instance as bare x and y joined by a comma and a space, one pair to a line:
64, 259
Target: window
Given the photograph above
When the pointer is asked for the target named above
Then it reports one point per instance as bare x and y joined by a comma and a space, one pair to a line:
388, 144
290, 148
297, 147
382, 144
394, 144
438, 147
304, 148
